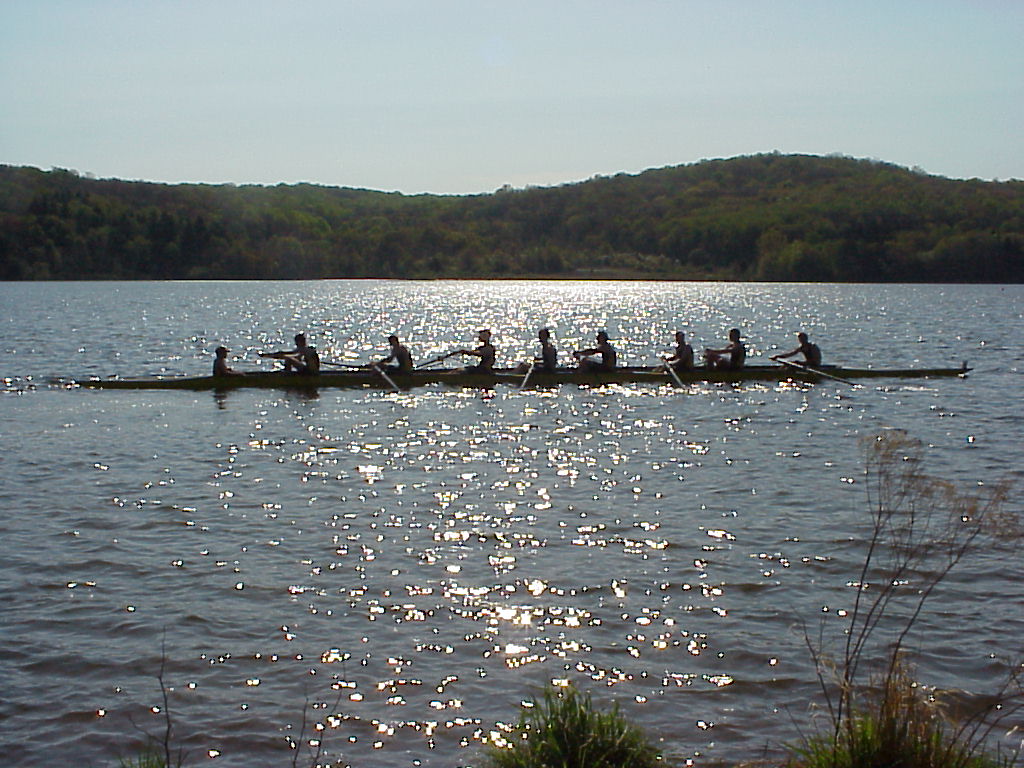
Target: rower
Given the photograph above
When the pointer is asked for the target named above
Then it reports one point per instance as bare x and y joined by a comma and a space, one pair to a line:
399, 354
682, 358
485, 352
548, 360
604, 349
731, 357
303, 359
810, 351
220, 363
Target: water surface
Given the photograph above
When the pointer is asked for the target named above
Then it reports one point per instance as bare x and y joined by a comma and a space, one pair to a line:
407, 568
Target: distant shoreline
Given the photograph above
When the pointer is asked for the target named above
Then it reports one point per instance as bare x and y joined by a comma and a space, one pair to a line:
761, 218
588, 278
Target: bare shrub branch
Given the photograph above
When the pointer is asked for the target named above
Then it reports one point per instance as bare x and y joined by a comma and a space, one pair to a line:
920, 529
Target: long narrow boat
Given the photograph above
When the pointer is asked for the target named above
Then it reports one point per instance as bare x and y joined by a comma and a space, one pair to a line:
460, 378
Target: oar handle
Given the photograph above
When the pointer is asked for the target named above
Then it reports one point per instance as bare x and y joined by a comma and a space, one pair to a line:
435, 360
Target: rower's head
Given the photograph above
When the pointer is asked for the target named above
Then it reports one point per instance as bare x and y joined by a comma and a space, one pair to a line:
543, 334
802, 337
300, 339
221, 352
392, 339
602, 336
484, 334
734, 334
680, 337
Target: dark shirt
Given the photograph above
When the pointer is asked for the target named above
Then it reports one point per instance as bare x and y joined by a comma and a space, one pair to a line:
737, 355
403, 360
548, 357
609, 358
683, 358
310, 361
812, 354
486, 353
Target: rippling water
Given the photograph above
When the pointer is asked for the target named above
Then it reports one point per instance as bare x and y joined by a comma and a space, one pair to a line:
408, 567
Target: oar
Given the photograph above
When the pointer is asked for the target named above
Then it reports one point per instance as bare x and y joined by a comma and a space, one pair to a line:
672, 372
431, 362
528, 372
387, 378
341, 365
816, 372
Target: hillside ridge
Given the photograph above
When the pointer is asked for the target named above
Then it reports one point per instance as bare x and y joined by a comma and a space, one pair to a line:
758, 217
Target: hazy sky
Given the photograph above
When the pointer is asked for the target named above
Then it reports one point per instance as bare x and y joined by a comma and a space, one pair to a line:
465, 96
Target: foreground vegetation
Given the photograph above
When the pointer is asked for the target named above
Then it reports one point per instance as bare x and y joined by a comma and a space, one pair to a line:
876, 714
898, 726
921, 528
563, 728
766, 217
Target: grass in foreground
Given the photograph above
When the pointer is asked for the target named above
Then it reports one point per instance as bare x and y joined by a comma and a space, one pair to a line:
897, 727
562, 729
149, 759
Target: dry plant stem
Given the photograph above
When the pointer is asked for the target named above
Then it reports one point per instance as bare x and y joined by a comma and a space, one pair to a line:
302, 731
168, 726
320, 741
165, 741
916, 520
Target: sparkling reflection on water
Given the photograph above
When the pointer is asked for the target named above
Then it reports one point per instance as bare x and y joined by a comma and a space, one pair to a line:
406, 568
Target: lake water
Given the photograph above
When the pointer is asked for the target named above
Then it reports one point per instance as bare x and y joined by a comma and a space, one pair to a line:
408, 568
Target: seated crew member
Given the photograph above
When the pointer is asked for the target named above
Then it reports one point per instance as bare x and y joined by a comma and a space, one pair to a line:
731, 357
604, 349
548, 360
485, 352
810, 351
682, 358
303, 359
220, 364
400, 355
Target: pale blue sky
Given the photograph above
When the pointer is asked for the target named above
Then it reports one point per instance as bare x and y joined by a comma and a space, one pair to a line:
465, 96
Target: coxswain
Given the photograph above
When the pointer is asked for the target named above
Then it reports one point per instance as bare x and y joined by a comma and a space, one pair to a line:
604, 349
400, 357
731, 357
303, 359
485, 352
682, 358
810, 351
220, 363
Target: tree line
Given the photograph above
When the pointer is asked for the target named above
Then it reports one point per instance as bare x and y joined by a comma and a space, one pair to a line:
761, 217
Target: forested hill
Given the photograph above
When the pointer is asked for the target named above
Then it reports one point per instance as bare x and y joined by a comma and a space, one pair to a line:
765, 217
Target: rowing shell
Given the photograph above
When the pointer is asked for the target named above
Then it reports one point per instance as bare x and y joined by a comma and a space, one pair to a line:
461, 378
